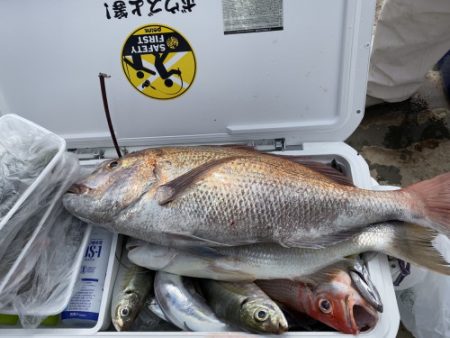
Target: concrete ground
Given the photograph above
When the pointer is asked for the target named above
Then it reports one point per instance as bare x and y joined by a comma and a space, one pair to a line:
407, 142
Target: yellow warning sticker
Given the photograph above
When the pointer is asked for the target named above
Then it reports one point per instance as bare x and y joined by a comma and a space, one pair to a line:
159, 62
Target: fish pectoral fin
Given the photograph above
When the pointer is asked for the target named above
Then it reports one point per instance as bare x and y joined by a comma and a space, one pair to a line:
132, 243
204, 252
169, 191
189, 241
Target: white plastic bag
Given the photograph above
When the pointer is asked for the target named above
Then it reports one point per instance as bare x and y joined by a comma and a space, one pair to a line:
27, 153
24, 153
425, 307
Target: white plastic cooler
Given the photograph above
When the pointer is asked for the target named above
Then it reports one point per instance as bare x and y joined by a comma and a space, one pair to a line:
286, 75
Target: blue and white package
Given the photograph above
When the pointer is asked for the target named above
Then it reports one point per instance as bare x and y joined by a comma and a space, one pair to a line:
84, 306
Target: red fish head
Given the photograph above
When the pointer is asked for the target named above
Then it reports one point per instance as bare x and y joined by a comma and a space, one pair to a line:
338, 304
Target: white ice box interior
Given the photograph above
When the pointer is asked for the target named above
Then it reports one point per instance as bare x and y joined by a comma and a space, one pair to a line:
299, 88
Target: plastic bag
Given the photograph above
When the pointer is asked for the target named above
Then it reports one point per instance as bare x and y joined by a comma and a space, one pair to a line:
49, 282
24, 153
38, 271
19, 228
425, 307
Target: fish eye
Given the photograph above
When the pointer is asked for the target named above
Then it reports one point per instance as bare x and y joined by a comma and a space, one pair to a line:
325, 305
261, 315
124, 312
113, 164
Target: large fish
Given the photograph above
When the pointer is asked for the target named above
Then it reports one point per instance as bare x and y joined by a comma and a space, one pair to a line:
184, 306
244, 305
328, 297
215, 196
270, 261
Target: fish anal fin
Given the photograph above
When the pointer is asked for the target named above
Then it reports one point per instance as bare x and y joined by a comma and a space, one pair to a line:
322, 241
169, 191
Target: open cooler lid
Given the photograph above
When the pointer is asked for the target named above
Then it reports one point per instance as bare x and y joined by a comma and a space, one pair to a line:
301, 76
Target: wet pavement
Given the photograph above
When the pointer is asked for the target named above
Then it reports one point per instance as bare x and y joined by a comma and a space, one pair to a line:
404, 143
407, 142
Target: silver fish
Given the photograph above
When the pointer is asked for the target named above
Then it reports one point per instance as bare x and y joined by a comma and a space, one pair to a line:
268, 261
244, 305
184, 306
132, 286
216, 196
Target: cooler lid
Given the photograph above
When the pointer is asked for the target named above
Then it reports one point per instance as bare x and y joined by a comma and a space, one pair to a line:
185, 71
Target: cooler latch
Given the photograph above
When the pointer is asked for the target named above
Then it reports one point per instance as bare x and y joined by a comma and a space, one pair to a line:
279, 144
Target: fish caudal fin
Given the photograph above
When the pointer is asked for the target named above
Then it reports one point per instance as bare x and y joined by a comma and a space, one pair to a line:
413, 243
434, 195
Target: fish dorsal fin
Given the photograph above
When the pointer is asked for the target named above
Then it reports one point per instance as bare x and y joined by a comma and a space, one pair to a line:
167, 192
326, 274
331, 170
326, 170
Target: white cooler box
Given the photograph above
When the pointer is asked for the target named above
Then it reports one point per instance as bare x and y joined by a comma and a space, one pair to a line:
283, 75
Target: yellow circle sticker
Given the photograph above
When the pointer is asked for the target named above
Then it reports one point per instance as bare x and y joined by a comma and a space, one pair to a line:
159, 62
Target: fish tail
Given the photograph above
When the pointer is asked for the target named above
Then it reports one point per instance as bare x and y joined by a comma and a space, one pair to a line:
431, 199
413, 243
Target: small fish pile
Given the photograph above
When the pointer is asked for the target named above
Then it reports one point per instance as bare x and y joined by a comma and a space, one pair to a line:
265, 234
207, 305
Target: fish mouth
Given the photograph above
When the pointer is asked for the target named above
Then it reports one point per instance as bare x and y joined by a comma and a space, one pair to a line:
364, 318
78, 189
279, 326
282, 326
